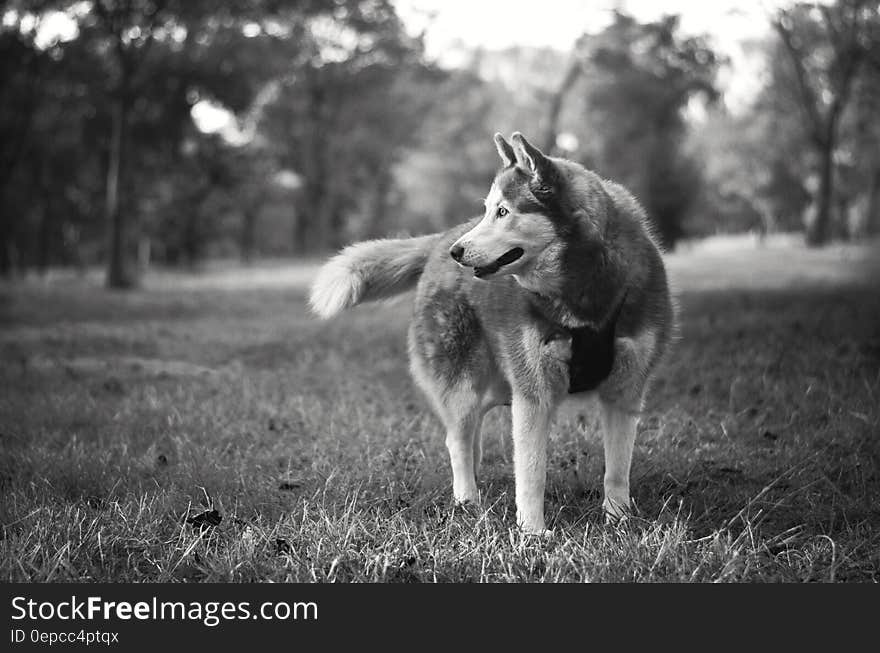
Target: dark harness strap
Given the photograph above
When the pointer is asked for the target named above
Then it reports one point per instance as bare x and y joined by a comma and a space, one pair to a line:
592, 352
592, 348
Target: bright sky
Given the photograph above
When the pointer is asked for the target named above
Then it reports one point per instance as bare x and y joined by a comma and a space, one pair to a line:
497, 24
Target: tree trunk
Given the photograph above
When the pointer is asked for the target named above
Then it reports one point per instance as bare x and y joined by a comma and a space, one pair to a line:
819, 230
556, 102
119, 273
7, 270
312, 221
300, 227
44, 225
44, 236
872, 221
248, 235
379, 203
190, 237
324, 232
7, 258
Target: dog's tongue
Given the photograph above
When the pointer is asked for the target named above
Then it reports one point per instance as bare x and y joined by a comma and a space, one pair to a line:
500, 262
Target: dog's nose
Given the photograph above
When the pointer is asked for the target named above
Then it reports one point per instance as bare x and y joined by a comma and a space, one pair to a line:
456, 252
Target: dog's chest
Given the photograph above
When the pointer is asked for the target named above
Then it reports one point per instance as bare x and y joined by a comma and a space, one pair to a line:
592, 351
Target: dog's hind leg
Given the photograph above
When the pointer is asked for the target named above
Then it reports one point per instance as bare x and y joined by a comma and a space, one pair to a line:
497, 395
618, 436
478, 445
461, 411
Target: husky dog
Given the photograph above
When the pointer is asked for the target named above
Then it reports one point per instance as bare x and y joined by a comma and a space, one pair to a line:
557, 291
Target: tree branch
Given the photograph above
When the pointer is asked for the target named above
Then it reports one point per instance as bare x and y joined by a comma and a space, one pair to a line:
573, 73
809, 102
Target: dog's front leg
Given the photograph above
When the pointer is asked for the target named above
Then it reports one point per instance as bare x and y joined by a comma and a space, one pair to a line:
531, 425
622, 396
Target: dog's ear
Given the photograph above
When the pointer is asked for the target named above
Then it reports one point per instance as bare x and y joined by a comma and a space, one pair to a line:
505, 151
531, 159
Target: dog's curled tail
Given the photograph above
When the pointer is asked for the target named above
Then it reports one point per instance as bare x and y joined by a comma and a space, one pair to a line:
370, 270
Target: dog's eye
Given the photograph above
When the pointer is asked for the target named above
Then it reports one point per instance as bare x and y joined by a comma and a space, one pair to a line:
502, 211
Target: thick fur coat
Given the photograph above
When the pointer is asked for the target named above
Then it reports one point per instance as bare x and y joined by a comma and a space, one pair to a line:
557, 291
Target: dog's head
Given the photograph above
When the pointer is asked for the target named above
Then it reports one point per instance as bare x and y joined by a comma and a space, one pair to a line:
533, 205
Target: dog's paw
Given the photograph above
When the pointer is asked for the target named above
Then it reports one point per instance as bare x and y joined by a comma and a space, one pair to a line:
467, 499
616, 519
533, 527
533, 535
616, 512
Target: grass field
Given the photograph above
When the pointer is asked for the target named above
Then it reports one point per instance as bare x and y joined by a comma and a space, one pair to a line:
125, 419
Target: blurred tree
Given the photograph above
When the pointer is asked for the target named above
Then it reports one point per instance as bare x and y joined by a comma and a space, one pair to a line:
641, 78
22, 67
825, 45
137, 66
647, 76
748, 185
126, 31
200, 41
344, 118
860, 148
49, 170
447, 175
